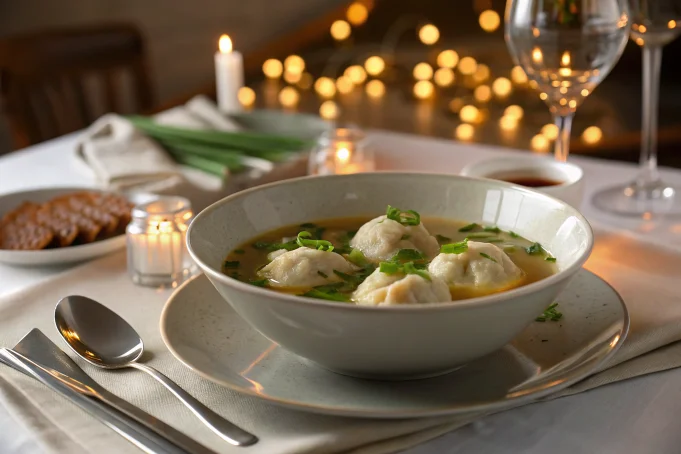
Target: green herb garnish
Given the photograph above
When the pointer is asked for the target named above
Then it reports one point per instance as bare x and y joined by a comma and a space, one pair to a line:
406, 236
258, 282
410, 268
319, 294
442, 239
469, 227
550, 313
266, 245
322, 274
513, 234
409, 217
304, 240
494, 229
239, 251
407, 255
455, 248
357, 258
389, 267
230, 265
550, 259
488, 257
535, 249
473, 236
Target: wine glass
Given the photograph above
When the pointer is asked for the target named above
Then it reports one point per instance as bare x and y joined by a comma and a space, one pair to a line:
566, 47
654, 23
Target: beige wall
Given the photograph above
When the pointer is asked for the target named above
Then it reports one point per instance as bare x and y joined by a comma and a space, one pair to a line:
181, 34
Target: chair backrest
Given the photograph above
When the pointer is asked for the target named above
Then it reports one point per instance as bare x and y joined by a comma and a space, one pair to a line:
58, 81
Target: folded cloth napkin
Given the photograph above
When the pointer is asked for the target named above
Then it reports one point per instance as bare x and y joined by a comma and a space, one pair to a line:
646, 277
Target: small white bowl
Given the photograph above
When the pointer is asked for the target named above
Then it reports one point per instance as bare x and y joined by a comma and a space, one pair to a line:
570, 176
391, 342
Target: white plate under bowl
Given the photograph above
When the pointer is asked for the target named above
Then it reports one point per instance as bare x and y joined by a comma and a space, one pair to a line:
202, 330
57, 256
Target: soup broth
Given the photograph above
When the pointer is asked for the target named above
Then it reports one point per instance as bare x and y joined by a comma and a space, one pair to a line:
245, 262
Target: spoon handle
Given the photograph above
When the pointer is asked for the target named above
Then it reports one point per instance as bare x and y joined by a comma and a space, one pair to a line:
225, 429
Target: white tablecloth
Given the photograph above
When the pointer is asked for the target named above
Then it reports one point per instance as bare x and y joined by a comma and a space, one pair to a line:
635, 416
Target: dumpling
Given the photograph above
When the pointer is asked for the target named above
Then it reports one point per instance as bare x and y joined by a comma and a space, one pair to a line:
305, 267
381, 238
483, 266
381, 289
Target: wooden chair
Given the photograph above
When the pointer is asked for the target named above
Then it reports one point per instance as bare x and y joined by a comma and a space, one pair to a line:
58, 81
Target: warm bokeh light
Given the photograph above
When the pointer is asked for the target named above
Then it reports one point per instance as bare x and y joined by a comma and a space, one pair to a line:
671, 24
294, 63
482, 93
642, 29
375, 88
533, 84
537, 56
289, 97
584, 92
539, 143
429, 34
464, 131
356, 74
514, 111
325, 87
272, 68
550, 131
447, 59
344, 85
456, 104
481, 73
329, 110
292, 77
518, 75
543, 96
246, 96
422, 71
374, 65
225, 44
469, 114
467, 66
340, 30
343, 155
592, 135
489, 20
639, 41
306, 81
565, 59
444, 77
357, 13
572, 104
502, 87
508, 123
423, 89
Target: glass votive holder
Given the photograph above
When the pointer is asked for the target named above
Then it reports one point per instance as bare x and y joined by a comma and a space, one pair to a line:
157, 253
341, 151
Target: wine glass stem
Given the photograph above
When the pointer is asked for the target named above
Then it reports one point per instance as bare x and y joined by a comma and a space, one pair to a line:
652, 60
562, 146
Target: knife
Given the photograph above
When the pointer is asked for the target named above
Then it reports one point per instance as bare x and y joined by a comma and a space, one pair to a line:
37, 356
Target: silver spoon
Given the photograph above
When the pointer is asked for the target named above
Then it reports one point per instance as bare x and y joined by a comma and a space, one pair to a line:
102, 338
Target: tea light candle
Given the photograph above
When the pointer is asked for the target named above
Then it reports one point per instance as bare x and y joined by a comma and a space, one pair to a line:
156, 242
342, 151
229, 75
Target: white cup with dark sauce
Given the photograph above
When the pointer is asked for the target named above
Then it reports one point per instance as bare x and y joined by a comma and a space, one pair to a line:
562, 180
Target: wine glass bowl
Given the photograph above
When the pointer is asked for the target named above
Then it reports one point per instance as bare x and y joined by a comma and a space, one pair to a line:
567, 47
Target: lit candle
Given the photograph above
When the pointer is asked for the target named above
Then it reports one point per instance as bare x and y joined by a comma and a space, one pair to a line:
342, 151
229, 75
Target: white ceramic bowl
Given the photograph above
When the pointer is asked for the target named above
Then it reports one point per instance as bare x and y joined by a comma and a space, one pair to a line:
569, 175
395, 342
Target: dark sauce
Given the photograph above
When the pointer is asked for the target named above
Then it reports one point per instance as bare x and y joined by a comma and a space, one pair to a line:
530, 181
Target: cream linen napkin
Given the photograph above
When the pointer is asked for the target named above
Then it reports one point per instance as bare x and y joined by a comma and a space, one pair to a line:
646, 278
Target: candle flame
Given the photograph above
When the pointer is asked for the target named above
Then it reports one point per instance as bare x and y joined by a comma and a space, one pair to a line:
225, 44
565, 59
343, 155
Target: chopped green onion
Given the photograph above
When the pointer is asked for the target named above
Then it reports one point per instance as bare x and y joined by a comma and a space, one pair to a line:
304, 240
469, 227
535, 249
234, 264
322, 274
308, 225
550, 259
406, 236
442, 239
513, 234
266, 245
494, 229
239, 251
550, 313
455, 248
357, 258
409, 268
479, 235
389, 267
488, 257
409, 217
259, 282
316, 293
407, 255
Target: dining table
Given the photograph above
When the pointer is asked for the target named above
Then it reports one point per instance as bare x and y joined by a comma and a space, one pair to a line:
634, 416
